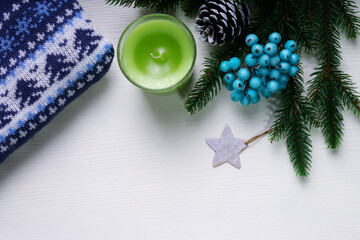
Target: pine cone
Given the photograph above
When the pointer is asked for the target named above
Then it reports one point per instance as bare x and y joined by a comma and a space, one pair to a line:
222, 21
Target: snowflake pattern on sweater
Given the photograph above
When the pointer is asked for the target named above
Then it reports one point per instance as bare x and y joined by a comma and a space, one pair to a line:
49, 54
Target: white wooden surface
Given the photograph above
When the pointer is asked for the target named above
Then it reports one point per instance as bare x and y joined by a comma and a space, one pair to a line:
120, 163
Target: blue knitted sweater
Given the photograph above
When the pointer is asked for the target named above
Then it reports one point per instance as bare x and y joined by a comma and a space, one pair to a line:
49, 54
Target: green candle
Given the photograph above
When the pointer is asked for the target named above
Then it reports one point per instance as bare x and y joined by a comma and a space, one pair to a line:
157, 53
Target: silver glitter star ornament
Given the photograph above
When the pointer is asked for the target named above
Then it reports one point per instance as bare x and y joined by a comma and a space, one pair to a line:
227, 148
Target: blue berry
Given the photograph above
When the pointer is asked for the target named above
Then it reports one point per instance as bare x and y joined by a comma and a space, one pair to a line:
245, 101
237, 96
255, 82
270, 70
264, 71
264, 60
257, 50
291, 45
293, 71
251, 40
225, 66
250, 60
229, 87
274, 74
244, 74
275, 38
274, 61
234, 63
285, 55
284, 78
229, 78
270, 49
265, 93
284, 67
273, 86
251, 93
238, 85
256, 99
294, 59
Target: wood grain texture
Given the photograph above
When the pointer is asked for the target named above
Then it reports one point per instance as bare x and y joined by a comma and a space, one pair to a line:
119, 163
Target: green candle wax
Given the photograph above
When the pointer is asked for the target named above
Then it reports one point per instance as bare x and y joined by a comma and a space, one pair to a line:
158, 53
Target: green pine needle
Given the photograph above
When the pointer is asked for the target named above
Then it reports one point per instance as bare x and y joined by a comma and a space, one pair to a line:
191, 7
291, 123
207, 87
331, 89
159, 5
347, 20
210, 82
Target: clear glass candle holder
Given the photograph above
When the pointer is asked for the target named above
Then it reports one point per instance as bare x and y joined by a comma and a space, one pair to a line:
157, 53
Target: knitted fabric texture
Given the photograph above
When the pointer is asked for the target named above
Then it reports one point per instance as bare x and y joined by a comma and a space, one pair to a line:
49, 55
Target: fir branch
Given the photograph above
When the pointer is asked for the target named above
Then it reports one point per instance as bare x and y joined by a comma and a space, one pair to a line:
330, 114
291, 123
191, 7
285, 17
125, 3
295, 115
350, 97
348, 20
159, 5
299, 146
331, 89
209, 83
207, 87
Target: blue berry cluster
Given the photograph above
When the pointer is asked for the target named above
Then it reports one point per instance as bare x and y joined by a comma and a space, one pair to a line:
266, 71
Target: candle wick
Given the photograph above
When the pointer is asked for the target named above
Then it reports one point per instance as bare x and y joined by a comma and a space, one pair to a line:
155, 56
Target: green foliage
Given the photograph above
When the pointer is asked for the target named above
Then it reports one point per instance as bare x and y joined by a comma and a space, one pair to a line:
160, 5
291, 124
209, 84
207, 87
331, 89
190, 7
347, 20
284, 17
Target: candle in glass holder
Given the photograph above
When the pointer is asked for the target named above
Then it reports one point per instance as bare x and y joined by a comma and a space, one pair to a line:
157, 53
